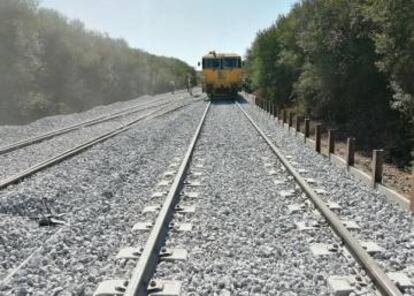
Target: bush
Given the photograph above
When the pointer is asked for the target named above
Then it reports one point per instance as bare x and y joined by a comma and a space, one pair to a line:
52, 65
348, 63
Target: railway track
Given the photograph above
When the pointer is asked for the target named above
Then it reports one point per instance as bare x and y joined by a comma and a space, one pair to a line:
162, 252
386, 227
23, 158
159, 112
163, 108
377, 275
100, 119
234, 216
149, 255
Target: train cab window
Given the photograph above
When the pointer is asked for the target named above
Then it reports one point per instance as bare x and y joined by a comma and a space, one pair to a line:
211, 64
231, 63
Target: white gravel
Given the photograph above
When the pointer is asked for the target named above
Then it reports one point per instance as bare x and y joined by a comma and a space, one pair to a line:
21, 159
101, 191
13, 133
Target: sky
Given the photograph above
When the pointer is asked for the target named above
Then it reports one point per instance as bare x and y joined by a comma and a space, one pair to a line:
185, 29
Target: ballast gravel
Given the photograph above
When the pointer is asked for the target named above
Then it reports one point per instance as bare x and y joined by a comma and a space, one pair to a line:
21, 159
100, 192
380, 220
244, 239
12, 133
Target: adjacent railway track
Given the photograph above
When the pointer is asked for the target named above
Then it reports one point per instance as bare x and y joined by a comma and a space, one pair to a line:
146, 264
159, 112
86, 145
100, 119
140, 281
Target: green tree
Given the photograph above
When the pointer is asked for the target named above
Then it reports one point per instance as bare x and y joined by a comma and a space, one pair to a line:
345, 62
394, 40
52, 65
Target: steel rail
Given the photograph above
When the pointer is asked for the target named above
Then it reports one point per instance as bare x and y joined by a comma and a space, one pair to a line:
76, 150
145, 267
377, 275
6, 279
100, 119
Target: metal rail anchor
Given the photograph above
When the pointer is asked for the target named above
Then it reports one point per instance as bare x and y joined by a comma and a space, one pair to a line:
375, 272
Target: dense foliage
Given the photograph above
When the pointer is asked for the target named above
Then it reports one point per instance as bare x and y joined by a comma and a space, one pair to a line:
50, 65
347, 62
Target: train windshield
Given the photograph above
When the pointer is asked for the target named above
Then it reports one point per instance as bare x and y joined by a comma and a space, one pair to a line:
212, 64
231, 63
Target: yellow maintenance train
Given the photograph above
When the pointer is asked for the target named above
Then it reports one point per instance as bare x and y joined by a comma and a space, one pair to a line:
222, 74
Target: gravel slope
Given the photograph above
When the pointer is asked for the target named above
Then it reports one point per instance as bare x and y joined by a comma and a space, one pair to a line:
101, 191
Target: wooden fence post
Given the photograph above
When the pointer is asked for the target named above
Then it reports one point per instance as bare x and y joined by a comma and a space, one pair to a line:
331, 142
284, 116
298, 121
350, 152
274, 111
307, 121
290, 120
377, 166
318, 138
